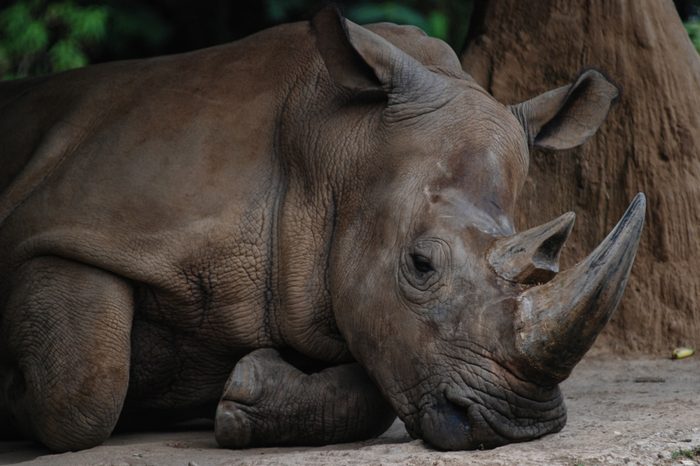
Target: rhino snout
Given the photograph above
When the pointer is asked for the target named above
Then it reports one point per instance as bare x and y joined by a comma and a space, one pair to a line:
458, 422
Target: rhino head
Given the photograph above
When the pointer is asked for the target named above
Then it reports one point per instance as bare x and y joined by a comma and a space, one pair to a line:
466, 325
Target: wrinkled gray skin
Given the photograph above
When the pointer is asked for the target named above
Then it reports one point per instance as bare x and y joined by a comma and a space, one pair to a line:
312, 208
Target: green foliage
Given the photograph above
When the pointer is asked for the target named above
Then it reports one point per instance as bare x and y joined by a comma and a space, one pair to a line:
40, 36
65, 54
82, 24
444, 19
693, 28
279, 11
690, 454
433, 22
134, 28
27, 35
37, 38
388, 11
438, 25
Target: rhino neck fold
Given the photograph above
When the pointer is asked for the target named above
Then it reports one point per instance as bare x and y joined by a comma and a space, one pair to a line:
303, 236
321, 154
304, 314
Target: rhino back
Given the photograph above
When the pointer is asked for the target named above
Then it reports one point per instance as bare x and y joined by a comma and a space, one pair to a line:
140, 150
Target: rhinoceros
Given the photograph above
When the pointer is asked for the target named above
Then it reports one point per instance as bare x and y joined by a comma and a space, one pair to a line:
299, 235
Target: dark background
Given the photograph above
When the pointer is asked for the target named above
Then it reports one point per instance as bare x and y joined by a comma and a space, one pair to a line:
40, 36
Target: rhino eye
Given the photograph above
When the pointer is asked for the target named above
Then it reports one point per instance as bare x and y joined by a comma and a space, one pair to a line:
423, 268
422, 264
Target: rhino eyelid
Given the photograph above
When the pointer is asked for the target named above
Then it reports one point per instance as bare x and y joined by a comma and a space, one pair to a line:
422, 264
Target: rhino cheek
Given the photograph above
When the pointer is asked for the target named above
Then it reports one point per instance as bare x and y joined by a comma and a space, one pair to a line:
390, 344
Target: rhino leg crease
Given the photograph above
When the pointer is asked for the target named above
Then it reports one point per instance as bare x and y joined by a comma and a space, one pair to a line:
64, 359
268, 401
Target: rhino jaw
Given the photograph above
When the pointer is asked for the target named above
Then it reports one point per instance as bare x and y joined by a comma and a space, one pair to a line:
557, 322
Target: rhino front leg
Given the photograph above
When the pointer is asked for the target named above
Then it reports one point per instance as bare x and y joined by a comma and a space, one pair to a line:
268, 401
64, 352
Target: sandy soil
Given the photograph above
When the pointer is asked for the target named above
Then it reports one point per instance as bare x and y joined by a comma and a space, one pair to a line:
620, 412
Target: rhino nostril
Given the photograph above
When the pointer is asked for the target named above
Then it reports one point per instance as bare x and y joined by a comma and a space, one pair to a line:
446, 426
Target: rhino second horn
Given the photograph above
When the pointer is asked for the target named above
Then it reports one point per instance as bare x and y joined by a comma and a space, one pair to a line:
532, 256
559, 321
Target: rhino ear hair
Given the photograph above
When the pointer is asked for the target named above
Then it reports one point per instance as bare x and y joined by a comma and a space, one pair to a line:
567, 116
360, 60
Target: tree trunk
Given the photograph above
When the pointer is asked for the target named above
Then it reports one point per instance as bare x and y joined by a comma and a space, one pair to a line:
650, 143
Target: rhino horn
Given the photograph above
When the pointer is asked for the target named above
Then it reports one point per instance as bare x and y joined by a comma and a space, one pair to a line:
557, 322
532, 256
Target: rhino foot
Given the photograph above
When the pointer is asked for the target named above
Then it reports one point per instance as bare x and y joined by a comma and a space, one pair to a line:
243, 388
268, 401
233, 430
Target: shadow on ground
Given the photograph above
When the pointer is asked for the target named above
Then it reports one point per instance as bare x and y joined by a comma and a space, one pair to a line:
620, 412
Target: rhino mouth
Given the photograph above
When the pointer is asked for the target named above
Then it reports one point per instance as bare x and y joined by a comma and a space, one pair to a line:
499, 429
458, 421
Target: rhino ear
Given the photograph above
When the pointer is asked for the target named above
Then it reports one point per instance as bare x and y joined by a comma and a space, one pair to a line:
567, 116
344, 63
362, 61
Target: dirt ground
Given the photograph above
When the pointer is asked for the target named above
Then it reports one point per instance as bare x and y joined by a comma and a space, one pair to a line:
620, 412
